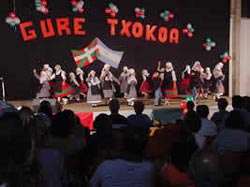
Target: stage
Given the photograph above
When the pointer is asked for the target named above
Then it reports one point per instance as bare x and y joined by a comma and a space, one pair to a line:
149, 105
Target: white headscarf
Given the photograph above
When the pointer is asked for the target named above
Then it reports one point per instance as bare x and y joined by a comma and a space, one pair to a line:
196, 66
170, 65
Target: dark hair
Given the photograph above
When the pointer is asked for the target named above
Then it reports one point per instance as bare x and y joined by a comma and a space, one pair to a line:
114, 106
26, 115
15, 142
61, 125
139, 107
237, 101
46, 108
206, 168
193, 121
103, 124
135, 140
190, 105
222, 104
246, 103
202, 110
235, 120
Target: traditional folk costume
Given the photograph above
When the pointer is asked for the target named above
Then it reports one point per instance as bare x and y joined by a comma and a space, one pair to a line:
123, 78
44, 87
94, 95
83, 88
207, 78
107, 79
218, 86
131, 89
76, 87
169, 83
62, 88
156, 82
195, 80
145, 88
185, 82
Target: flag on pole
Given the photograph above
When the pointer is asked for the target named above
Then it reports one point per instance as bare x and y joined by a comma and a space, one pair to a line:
109, 56
86, 56
97, 50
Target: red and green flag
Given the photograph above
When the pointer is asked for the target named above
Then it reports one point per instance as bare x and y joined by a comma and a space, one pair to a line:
86, 56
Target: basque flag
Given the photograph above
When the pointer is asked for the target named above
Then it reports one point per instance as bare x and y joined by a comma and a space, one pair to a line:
86, 56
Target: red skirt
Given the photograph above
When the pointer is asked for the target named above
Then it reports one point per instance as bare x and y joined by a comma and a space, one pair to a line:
66, 90
83, 88
145, 87
170, 93
185, 85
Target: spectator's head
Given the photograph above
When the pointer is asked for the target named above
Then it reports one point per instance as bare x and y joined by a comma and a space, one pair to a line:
190, 105
235, 120
46, 108
246, 103
15, 142
114, 106
193, 121
237, 102
27, 116
203, 111
206, 168
222, 104
135, 140
61, 125
103, 124
139, 107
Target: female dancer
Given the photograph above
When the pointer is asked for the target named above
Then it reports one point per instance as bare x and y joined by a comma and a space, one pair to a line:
94, 92
145, 88
131, 91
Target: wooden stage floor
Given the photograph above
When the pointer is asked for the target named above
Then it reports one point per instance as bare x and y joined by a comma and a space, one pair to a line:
84, 107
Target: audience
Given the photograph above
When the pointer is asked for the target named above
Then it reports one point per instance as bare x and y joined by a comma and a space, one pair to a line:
118, 120
233, 137
208, 128
131, 170
220, 117
139, 120
54, 149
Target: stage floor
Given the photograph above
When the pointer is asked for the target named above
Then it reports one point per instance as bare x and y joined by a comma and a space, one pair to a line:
149, 105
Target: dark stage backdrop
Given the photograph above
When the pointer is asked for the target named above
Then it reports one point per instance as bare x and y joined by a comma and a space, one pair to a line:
19, 57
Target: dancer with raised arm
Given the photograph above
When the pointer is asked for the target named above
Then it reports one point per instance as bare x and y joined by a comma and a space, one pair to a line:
83, 88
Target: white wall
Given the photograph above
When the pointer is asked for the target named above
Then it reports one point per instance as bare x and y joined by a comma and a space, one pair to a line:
245, 57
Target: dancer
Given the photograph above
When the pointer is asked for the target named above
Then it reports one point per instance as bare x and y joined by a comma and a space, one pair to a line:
76, 87
156, 79
207, 81
62, 88
107, 80
169, 82
123, 78
131, 90
83, 88
195, 80
145, 88
185, 82
218, 86
44, 88
94, 92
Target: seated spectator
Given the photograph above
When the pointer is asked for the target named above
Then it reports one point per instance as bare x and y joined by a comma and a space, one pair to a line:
233, 137
15, 145
186, 145
208, 128
132, 169
190, 106
118, 120
246, 113
139, 119
60, 137
237, 102
175, 172
46, 108
206, 169
220, 117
